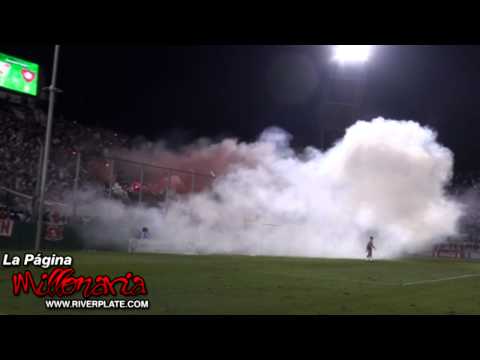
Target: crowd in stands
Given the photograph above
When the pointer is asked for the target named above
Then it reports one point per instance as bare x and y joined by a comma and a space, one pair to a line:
22, 131
13, 214
22, 215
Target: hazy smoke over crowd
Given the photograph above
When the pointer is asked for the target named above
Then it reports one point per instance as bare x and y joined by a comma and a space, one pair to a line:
384, 178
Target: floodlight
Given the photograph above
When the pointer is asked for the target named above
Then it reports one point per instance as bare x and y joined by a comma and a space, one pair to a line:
352, 53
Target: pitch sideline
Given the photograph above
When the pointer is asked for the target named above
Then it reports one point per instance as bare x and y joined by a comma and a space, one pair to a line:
442, 279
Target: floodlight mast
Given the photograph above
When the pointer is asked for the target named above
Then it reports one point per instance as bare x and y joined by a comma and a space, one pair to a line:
352, 60
46, 148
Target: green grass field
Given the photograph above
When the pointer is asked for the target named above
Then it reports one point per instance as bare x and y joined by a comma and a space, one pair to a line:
273, 285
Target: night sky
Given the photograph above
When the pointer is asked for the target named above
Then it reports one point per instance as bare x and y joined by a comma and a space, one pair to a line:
186, 92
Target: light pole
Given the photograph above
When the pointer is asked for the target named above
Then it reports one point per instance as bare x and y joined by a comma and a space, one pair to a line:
46, 149
356, 56
350, 62
75, 184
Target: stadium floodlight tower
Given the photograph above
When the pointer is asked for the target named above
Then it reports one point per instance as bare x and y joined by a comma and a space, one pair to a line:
46, 148
346, 74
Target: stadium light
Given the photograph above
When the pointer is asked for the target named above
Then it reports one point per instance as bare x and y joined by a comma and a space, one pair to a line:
344, 54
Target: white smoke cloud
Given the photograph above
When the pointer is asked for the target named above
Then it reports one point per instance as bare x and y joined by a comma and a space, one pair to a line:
384, 178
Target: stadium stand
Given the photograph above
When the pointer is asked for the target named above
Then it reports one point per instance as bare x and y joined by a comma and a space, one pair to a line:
22, 128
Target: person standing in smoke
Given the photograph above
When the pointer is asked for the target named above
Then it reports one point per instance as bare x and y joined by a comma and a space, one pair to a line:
139, 235
370, 248
145, 234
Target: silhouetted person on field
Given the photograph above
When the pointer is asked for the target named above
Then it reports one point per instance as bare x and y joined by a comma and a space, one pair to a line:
370, 248
145, 233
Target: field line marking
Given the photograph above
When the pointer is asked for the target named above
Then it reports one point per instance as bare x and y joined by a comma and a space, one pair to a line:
364, 281
442, 279
348, 280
